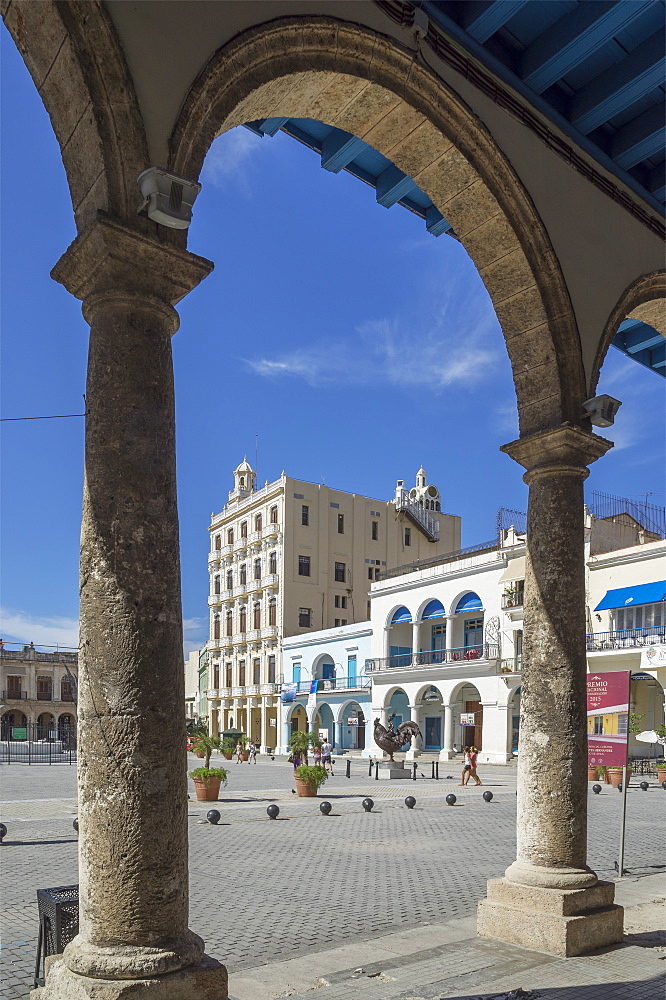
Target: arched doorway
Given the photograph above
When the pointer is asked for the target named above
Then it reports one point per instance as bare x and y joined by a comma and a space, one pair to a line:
468, 721
431, 714
324, 724
67, 730
46, 726
13, 726
352, 726
298, 720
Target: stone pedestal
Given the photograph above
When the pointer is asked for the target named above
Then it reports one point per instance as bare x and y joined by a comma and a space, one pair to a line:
390, 769
207, 980
563, 922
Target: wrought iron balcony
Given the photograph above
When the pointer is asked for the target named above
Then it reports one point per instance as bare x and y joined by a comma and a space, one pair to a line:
630, 638
436, 657
14, 695
358, 683
514, 600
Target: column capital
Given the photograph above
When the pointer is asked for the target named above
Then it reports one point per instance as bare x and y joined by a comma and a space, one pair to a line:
552, 451
109, 257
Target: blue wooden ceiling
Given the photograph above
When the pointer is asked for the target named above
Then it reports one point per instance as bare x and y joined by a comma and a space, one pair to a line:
595, 68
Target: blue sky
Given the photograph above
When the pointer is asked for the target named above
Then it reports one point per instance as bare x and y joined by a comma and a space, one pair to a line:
355, 346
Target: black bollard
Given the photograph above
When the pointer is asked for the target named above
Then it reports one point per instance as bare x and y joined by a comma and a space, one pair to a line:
644, 785
367, 805
3, 832
432, 770
273, 811
437, 770
596, 789
414, 766
75, 824
663, 785
325, 808
487, 796
213, 816
348, 775
450, 799
410, 801
370, 768
377, 771
619, 787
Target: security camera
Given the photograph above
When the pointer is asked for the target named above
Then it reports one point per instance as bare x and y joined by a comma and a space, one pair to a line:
168, 198
601, 410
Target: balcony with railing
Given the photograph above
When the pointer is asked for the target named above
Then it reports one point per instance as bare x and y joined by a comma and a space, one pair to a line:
14, 694
631, 638
358, 683
513, 599
480, 654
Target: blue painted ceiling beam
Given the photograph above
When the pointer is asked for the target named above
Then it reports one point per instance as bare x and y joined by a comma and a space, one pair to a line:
436, 224
339, 149
574, 38
393, 185
656, 182
640, 138
637, 336
621, 85
482, 18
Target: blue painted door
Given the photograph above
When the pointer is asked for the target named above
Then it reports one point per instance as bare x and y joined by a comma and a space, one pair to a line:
433, 733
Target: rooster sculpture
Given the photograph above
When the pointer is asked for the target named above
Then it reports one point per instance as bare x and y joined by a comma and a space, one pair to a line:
392, 740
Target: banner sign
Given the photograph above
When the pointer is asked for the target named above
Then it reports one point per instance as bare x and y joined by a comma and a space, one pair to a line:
288, 693
312, 697
20, 733
467, 718
653, 656
608, 718
352, 721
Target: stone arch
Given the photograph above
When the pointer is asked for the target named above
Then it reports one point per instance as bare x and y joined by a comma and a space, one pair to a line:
458, 598
644, 299
75, 59
393, 612
389, 692
425, 603
426, 687
354, 79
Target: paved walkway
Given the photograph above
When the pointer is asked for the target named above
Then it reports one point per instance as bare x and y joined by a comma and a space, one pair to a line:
393, 891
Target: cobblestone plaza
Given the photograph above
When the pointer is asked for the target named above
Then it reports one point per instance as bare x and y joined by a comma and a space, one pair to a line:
394, 889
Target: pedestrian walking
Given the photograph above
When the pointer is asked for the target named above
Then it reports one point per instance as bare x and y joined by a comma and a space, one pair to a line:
238, 751
467, 767
473, 755
253, 753
316, 754
326, 751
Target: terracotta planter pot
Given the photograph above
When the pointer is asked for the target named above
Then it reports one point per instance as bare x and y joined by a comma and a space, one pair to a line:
615, 775
200, 756
592, 774
227, 756
244, 755
207, 789
661, 774
304, 790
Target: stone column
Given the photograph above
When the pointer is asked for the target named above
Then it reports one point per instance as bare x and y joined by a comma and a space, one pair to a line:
416, 640
549, 886
446, 753
450, 619
387, 642
133, 913
416, 747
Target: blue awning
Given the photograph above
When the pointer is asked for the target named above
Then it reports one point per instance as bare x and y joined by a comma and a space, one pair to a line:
401, 615
434, 609
470, 602
628, 597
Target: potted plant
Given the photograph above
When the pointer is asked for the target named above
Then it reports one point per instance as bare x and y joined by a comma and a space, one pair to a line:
615, 775
309, 779
509, 596
301, 743
228, 747
661, 768
207, 779
592, 772
245, 753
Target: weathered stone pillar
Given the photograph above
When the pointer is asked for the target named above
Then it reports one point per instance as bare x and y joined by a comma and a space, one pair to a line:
550, 900
446, 753
133, 926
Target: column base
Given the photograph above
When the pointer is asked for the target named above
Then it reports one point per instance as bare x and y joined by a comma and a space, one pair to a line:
562, 922
207, 980
447, 755
412, 754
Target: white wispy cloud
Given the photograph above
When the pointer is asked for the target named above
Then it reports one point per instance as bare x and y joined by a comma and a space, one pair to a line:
230, 157
20, 626
46, 630
392, 352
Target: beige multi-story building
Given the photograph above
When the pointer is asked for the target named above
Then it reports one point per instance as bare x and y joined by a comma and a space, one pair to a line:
38, 693
293, 557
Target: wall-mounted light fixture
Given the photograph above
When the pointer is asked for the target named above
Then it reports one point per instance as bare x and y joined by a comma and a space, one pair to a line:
168, 198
